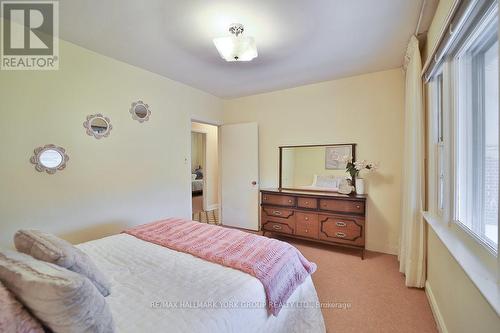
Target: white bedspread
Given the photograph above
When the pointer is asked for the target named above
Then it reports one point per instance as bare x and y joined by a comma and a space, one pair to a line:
150, 281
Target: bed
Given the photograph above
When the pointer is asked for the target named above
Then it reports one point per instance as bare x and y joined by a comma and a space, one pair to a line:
196, 186
155, 289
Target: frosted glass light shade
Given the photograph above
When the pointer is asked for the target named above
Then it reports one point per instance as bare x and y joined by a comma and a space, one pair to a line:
236, 48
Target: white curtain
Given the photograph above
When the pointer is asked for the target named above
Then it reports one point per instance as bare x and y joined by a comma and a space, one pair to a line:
412, 251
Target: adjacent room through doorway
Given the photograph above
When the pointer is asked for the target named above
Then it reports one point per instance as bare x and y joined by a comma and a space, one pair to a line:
204, 173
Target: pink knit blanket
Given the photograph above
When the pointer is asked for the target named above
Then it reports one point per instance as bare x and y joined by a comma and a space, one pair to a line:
279, 266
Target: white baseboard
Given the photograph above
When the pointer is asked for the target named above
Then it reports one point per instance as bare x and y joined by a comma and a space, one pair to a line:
212, 207
435, 309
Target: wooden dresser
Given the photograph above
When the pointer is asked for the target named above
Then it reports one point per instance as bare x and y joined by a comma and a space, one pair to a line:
325, 217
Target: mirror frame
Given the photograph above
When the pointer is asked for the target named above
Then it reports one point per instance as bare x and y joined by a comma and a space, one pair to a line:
134, 115
353, 146
88, 126
35, 159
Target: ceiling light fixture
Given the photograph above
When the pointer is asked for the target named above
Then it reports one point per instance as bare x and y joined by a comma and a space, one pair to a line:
236, 47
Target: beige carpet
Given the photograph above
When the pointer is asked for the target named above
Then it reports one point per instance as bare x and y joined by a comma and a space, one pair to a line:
210, 217
380, 302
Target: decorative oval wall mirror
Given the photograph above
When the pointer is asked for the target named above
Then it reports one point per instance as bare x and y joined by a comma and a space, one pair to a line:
140, 111
49, 158
98, 126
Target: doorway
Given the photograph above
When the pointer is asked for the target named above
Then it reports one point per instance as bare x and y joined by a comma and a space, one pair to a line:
205, 172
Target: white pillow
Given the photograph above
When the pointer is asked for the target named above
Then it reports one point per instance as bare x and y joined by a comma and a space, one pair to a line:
50, 248
63, 300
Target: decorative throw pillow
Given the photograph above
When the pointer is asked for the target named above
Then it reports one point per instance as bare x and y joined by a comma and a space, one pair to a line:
14, 318
62, 300
49, 248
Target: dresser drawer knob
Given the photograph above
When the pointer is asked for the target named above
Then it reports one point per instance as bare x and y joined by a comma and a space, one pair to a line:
277, 212
306, 203
339, 234
265, 198
358, 206
306, 231
307, 219
340, 224
289, 200
277, 227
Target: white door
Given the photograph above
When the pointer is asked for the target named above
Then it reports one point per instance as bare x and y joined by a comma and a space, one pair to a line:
239, 150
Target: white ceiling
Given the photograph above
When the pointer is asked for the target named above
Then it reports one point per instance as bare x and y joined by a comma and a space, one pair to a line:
299, 41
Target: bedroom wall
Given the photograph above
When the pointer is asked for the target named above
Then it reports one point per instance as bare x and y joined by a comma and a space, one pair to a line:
138, 174
211, 171
365, 109
466, 310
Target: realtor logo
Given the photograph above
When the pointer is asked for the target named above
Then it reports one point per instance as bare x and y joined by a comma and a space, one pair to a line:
29, 37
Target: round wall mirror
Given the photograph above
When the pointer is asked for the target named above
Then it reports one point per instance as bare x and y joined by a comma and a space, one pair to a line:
140, 111
49, 158
97, 126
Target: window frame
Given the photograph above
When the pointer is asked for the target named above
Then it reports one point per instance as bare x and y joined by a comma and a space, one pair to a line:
445, 131
439, 144
479, 262
455, 63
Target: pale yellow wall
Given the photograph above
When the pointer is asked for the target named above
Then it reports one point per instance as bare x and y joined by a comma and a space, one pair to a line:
366, 109
211, 172
462, 307
143, 170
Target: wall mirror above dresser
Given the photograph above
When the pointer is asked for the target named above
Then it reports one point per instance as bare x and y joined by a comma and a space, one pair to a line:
307, 205
314, 167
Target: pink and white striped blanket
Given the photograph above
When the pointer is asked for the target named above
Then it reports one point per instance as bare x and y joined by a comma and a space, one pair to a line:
279, 266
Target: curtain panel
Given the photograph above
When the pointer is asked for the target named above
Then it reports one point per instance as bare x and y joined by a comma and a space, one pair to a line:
412, 250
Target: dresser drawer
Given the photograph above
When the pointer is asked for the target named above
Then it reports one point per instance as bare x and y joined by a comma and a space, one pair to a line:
285, 226
276, 213
342, 206
306, 225
343, 230
277, 199
310, 203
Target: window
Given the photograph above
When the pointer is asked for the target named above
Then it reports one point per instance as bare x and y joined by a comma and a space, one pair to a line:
463, 136
476, 126
440, 144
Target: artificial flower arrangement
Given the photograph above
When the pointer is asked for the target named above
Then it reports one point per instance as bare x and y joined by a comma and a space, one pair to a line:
354, 168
